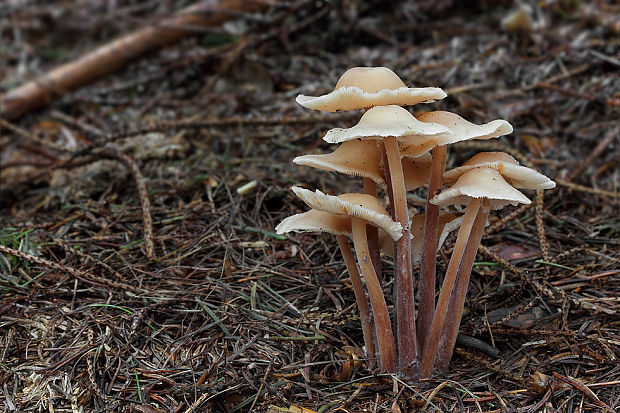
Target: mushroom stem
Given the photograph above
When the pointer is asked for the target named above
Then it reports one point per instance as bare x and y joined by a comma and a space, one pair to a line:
360, 297
426, 307
403, 279
383, 328
457, 302
370, 188
432, 342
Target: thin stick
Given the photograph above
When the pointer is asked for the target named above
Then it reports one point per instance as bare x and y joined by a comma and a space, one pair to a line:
370, 188
432, 343
457, 302
121, 52
403, 279
360, 297
426, 309
385, 336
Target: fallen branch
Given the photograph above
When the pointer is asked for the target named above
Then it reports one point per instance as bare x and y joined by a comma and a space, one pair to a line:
119, 53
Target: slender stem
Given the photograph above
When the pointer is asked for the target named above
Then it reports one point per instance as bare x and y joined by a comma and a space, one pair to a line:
403, 279
383, 328
426, 308
360, 297
432, 342
370, 188
457, 302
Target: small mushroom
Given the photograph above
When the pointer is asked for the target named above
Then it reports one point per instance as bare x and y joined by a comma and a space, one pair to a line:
481, 189
462, 130
518, 176
365, 87
385, 121
447, 223
360, 210
363, 158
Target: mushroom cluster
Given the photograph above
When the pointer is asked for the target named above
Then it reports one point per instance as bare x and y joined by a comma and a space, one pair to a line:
397, 152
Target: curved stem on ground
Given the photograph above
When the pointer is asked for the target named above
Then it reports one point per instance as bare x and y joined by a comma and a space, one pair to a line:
432, 342
370, 188
383, 327
403, 278
360, 297
457, 301
426, 308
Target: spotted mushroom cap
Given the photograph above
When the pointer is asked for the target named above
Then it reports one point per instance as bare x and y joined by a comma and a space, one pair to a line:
363, 206
483, 183
518, 176
462, 130
364, 87
382, 121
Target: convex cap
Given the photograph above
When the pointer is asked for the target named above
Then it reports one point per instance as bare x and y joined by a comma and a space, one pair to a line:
518, 176
362, 158
364, 87
363, 206
383, 121
447, 223
485, 183
461, 130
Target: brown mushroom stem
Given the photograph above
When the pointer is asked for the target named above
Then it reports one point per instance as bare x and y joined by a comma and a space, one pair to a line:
403, 279
426, 307
457, 301
360, 297
383, 328
370, 188
432, 342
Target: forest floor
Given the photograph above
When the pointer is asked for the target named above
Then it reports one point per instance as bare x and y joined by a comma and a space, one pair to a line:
187, 151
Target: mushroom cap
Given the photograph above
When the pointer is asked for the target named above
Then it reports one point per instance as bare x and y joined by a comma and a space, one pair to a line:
383, 121
518, 176
316, 221
462, 130
417, 170
484, 183
364, 87
447, 223
363, 206
361, 158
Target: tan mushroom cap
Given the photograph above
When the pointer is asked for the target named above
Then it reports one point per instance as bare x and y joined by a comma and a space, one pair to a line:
364, 87
483, 183
383, 121
462, 130
417, 170
362, 158
316, 221
447, 223
363, 206
518, 176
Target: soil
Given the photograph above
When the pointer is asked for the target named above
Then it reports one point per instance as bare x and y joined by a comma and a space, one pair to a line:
139, 271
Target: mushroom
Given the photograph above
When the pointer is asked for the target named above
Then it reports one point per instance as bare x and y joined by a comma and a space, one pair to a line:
391, 124
365, 87
462, 130
447, 223
358, 210
481, 189
518, 176
362, 158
